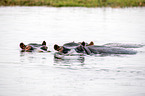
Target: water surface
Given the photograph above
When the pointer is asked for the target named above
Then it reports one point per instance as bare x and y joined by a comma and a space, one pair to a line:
39, 74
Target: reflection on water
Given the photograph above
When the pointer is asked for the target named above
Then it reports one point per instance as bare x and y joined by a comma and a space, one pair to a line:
69, 62
33, 57
23, 53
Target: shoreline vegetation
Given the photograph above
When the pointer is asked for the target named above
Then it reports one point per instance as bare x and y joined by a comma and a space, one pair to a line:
74, 3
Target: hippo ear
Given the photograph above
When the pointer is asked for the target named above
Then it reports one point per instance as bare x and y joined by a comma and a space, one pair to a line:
91, 43
83, 43
43, 43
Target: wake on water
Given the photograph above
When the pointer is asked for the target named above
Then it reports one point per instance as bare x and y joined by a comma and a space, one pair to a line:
124, 45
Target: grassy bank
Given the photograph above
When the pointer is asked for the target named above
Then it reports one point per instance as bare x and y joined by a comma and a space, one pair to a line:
74, 3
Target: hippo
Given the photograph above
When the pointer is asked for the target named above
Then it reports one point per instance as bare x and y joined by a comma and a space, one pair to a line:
68, 50
32, 46
90, 49
96, 49
110, 50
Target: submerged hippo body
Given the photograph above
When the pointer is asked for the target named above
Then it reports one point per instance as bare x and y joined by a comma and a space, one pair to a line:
35, 45
110, 50
38, 47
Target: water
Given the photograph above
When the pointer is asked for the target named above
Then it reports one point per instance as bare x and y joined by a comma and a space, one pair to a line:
39, 74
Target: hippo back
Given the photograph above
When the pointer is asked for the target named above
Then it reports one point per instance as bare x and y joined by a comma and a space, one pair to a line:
71, 45
110, 50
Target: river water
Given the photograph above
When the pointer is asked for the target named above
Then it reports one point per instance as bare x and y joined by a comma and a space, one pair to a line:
39, 74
